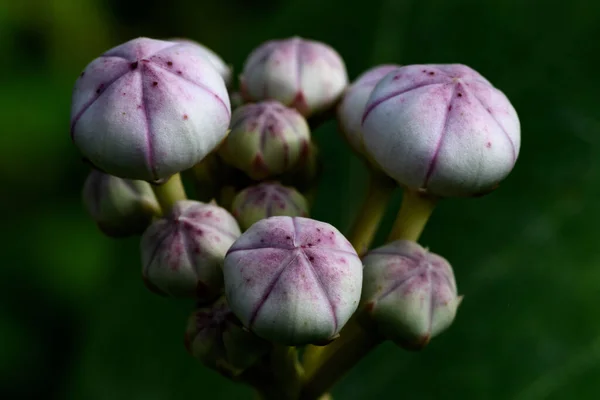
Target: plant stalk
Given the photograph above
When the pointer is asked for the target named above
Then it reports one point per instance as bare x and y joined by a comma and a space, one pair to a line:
414, 213
371, 212
169, 193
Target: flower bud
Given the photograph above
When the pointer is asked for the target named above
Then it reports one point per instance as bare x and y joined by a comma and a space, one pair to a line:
148, 109
182, 254
216, 337
304, 74
266, 139
441, 128
222, 68
120, 207
409, 293
267, 200
352, 106
293, 280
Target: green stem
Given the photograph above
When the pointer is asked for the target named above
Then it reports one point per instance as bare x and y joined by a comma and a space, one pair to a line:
169, 192
413, 215
337, 359
365, 226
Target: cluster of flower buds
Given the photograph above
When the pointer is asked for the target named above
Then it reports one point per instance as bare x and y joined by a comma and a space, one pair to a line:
260, 270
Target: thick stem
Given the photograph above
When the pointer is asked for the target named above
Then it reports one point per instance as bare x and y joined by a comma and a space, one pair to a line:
371, 212
337, 359
169, 193
413, 215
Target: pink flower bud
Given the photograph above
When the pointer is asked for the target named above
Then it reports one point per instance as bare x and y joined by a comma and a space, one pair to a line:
266, 139
352, 106
293, 280
441, 128
182, 254
148, 109
266, 200
409, 293
120, 207
307, 75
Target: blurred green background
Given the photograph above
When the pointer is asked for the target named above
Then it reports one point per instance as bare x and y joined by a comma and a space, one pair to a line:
76, 321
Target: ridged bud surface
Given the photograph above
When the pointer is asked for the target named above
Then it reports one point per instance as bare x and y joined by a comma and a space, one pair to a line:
441, 128
148, 109
293, 280
305, 74
182, 254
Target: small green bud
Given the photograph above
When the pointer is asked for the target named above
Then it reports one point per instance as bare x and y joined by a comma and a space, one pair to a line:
409, 293
443, 129
182, 254
267, 200
266, 139
216, 337
120, 207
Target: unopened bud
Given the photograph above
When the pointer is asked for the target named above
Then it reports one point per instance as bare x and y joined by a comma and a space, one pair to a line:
352, 106
443, 129
293, 280
266, 200
307, 75
148, 109
216, 337
182, 254
266, 139
120, 207
409, 293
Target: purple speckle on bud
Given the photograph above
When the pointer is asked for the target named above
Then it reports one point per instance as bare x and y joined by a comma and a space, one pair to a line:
182, 254
126, 110
284, 280
409, 293
304, 74
266, 200
266, 139
222, 68
441, 128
